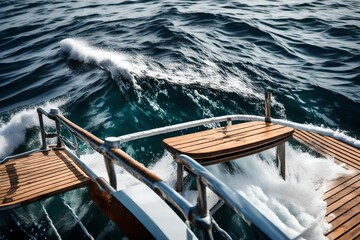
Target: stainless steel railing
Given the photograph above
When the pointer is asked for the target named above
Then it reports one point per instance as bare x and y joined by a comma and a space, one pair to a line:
233, 199
197, 215
113, 155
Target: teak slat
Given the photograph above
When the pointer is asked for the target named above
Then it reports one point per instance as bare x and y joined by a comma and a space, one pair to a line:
37, 176
341, 210
352, 234
345, 217
228, 142
343, 194
326, 150
338, 182
350, 190
44, 181
244, 127
340, 147
341, 187
345, 227
316, 141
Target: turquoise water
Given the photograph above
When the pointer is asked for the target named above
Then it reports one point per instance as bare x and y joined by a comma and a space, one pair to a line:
118, 68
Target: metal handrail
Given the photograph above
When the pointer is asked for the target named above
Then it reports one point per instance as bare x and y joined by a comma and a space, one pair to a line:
233, 199
187, 125
115, 155
197, 215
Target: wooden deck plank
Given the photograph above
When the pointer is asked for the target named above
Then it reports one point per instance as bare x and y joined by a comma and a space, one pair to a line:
332, 207
332, 150
26, 169
345, 227
39, 175
341, 187
189, 137
343, 147
342, 195
340, 147
352, 234
309, 142
337, 182
45, 180
331, 216
350, 190
336, 222
218, 134
224, 141
62, 183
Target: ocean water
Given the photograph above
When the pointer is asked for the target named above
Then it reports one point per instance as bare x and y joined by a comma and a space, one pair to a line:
117, 68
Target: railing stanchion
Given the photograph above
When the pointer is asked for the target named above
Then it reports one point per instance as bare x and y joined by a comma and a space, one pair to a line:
280, 156
59, 144
111, 142
267, 107
202, 204
77, 150
111, 172
179, 176
44, 146
229, 122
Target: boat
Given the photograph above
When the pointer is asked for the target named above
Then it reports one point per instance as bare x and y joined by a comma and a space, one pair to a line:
165, 213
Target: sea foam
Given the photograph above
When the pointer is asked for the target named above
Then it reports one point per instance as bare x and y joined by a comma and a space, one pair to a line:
134, 67
117, 64
12, 133
294, 205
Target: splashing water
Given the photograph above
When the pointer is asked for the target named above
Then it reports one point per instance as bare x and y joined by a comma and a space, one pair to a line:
12, 133
132, 68
293, 205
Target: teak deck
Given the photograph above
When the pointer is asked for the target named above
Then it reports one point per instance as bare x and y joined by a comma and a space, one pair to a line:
229, 142
37, 176
342, 195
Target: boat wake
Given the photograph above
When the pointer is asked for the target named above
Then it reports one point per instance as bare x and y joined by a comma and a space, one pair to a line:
134, 68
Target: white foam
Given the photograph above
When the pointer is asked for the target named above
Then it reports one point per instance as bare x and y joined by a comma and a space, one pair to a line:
12, 133
293, 205
131, 67
117, 64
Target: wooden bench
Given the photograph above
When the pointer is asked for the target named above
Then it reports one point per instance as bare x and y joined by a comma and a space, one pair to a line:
230, 142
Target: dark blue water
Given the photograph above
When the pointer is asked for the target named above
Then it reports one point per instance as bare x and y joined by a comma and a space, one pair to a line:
117, 68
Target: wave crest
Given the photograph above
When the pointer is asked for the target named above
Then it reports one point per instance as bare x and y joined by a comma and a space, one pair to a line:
118, 65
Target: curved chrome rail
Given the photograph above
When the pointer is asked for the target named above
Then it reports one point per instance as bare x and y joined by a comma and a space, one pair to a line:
112, 154
233, 199
197, 215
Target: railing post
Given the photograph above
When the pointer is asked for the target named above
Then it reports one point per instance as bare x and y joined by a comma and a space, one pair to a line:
111, 142
202, 204
179, 175
267, 107
228, 122
59, 144
44, 146
280, 155
202, 211
77, 150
